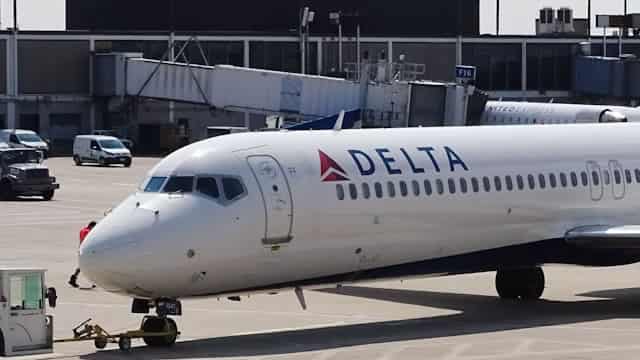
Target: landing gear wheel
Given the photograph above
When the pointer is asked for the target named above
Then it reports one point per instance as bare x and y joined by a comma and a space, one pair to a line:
124, 343
526, 284
100, 342
102, 162
76, 159
48, 195
506, 284
532, 284
160, 325
6, 192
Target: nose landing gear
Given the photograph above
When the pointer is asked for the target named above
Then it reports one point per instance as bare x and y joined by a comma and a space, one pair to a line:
159, 330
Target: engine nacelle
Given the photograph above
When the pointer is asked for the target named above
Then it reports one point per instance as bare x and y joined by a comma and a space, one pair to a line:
609, 116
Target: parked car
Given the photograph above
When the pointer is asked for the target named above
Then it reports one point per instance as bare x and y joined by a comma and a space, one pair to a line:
22, 173
104, 150
17, 138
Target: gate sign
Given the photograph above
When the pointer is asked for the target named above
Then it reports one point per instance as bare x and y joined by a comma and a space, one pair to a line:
465, 73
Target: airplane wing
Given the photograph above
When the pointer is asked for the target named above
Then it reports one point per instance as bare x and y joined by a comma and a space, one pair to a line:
605, 237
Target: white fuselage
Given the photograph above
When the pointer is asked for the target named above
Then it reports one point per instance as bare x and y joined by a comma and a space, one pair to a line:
529, 113
303, 215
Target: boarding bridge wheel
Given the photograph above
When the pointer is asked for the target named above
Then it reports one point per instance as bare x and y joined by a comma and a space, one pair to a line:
525, 284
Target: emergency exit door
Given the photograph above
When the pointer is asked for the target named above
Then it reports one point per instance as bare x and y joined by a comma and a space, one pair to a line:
618, 182
595, 180
276, 196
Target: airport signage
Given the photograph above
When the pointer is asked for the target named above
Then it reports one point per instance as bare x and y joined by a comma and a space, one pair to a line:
465, 73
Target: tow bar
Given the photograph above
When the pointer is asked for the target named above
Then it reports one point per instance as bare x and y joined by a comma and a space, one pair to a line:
86, 331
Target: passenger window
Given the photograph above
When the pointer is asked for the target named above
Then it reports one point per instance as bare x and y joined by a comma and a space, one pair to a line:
208, 186
532, 182
233, 188
353, 191
428, 190
596, 178
452, 186
627, 174
475, 185
585, 179
378, 189
155, 184
552, 181
574, 179
498, 183
439, 186
463, 185
606, 178
179, 184
509, 182
520, 182
416, 188
637, 175
543, 183
563, 180
617, 176
404, 191
94, 145
340, 191
391, 187
487, 184
366, 193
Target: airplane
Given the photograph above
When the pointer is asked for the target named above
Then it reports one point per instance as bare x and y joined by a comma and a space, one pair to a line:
522, 113
292, 210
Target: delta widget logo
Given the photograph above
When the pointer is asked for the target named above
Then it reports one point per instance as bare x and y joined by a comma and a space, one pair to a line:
330, 171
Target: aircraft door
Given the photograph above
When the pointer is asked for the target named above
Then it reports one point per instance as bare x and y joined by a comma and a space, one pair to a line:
594, 173
618, 181
277, 199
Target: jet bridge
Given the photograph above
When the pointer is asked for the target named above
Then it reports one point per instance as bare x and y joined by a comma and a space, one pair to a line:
302, 97
225, 87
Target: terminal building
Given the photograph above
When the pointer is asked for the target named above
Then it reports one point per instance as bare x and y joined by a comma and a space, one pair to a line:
50, 80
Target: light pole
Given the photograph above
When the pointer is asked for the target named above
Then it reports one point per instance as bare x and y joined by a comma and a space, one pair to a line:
589, 19
335, 17
12, 113
497, 17
306, 18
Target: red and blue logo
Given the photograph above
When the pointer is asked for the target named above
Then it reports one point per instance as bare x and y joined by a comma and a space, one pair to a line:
330, 171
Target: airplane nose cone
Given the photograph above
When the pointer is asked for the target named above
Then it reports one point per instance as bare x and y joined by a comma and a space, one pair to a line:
112, 254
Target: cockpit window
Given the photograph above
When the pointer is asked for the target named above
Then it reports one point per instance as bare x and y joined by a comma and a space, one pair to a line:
208, 186
233, 188
154, 184
179, 184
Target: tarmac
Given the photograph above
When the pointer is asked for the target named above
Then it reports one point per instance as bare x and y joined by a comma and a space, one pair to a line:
587, 313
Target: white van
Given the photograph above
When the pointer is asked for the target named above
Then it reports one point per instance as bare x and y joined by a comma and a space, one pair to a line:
17, 138
104, 150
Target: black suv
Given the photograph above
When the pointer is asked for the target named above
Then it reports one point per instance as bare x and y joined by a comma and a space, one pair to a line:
22, 173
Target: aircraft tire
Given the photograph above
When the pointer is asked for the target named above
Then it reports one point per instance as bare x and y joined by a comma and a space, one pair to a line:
506, 284
157, 324
532, 284
526, 284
